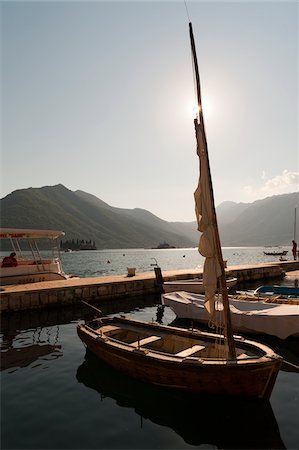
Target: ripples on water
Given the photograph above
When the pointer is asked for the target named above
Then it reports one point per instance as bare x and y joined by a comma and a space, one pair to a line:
56, 395
115, 262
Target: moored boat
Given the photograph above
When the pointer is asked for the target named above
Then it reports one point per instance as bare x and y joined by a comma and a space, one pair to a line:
283, 291
193, 285
278, 253
33, 268
251, 316
174, 358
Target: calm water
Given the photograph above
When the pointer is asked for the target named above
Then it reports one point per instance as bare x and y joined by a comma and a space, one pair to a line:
115, 262
96, 263
57, 396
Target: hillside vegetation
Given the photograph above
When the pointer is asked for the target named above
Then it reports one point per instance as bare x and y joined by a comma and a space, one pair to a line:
83, 216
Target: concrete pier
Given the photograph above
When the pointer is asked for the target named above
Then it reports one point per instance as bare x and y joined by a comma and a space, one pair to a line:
69, 292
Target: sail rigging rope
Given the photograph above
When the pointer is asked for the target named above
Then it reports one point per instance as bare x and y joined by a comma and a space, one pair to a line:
187, 10
217, 324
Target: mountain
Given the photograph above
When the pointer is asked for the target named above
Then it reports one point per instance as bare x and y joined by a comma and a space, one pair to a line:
227, 212
269, 221
83, 216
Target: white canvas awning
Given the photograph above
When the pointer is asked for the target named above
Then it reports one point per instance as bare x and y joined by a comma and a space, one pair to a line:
16, 233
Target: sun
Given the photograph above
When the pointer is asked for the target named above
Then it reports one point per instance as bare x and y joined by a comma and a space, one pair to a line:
207, 108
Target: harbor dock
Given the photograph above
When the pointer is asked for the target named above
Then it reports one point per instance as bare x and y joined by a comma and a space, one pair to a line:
72, 291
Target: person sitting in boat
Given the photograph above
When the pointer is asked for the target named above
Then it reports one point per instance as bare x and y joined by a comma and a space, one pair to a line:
294, 249
9, 261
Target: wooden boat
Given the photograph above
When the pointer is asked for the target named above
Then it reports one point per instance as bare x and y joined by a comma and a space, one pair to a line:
214, 363
194, 285
251, 316
33, 268
179, 359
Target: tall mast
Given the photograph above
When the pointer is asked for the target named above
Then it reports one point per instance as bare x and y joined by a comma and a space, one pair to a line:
199, 122
295, 223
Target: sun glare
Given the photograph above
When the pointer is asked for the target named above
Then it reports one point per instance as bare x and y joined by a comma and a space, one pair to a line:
206, 107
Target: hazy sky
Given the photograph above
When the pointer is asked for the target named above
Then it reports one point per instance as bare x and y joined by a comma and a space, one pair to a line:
99, 96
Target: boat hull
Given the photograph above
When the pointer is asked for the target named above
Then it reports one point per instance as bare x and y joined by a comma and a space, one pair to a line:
287, 291
193, 285
31, 278
249, 378
31, 272
280, 320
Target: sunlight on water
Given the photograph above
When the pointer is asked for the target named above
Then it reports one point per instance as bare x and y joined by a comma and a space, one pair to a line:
115, 262
97, 263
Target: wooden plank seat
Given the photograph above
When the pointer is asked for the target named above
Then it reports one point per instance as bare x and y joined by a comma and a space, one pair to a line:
190, 351
145, 341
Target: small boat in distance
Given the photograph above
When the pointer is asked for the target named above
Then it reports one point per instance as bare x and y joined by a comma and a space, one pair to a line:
33, 268
278, 253
164, 245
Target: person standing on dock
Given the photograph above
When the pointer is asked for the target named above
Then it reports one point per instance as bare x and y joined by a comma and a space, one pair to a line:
294, 249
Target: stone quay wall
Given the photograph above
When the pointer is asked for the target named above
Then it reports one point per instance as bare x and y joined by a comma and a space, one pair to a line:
73, 291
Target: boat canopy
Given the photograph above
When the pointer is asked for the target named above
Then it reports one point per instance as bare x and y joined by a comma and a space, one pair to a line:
16, 233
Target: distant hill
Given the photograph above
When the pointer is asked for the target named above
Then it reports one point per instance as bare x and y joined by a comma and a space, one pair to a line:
264, 222
227, 212
85, 217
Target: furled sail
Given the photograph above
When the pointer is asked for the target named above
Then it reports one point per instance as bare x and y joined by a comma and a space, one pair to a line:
209, 244
206, 224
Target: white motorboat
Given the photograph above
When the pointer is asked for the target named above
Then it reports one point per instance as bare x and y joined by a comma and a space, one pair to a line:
30, 266
276, 319
193, 285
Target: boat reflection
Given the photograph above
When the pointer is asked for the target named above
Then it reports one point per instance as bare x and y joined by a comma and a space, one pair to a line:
244, 423
15, 358
20, 349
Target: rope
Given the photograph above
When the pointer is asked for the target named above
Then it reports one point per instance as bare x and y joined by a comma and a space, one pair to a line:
291, 364
216, 323
187, 10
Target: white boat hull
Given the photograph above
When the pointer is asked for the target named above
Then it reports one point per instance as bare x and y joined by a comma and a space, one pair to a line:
280, 320
30, 272
193, 285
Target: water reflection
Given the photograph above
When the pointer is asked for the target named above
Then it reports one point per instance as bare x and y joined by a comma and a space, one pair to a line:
15, 358
198, 420
20, 349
